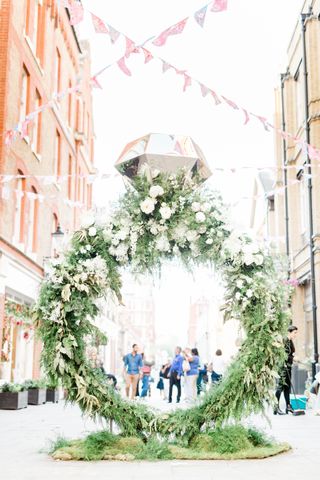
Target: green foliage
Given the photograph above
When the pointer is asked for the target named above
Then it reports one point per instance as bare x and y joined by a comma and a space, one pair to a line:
190, 223
228, 443
35, 384
12, 387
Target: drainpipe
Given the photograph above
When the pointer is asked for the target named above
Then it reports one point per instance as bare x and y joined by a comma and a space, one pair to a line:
304, 17
285, 174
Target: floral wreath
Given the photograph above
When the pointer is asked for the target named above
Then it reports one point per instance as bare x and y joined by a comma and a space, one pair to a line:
164, 216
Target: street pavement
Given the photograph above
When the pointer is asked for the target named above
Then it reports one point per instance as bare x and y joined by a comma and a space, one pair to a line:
26, 434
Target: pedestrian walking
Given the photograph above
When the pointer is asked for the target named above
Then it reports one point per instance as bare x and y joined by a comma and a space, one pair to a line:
146, 373
133, 365
165, 374
191, 373
284, 384
175, 374
202, 379
218, 366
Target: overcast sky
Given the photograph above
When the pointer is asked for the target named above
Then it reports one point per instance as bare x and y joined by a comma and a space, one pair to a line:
239, 53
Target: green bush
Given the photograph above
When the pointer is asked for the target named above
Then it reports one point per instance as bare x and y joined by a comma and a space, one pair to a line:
229, 439
33, 384
12, 387
258, 438
96, 443
154, 450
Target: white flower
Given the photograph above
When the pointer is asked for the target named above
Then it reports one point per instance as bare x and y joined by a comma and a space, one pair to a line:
239, 283
179, 232
154, 230
123, 233
121, 250
219, 234
205, 207
249, 293
250, 248
147, 206
156, 191
165, 212
202, 229
249, 259
134, 237
92, 232
88, 247
258, 259
200, 217
87, 221
238, 295
162, 244
107, 234
191, 235
209, 241
176, 250
232, 245
195, 206
115, 240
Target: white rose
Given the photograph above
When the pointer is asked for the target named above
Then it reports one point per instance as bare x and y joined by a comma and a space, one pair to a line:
249, 259
122, 250
165, 212
191, 235
239, 283
202, 229
238, 295
156, 191
249, 293
250, 248
195, 206
209, 241
147, 206
162, 244
123, 233
107, 235
258, 259
176, 250
200, 217
219, 234
205, 207
92, 232
87, 221
154, 230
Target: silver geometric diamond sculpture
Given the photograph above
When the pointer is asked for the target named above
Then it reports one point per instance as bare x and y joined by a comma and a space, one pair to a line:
165, 153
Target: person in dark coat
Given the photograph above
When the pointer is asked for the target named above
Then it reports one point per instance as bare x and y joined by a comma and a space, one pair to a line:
284, 384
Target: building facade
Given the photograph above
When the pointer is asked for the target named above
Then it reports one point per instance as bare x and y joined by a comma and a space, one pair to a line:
298, 176
45, 105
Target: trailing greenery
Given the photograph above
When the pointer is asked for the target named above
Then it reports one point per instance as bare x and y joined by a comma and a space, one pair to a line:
12, 387
223, 443
163, 217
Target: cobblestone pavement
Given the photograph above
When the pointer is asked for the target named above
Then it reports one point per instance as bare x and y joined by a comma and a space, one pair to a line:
25, 434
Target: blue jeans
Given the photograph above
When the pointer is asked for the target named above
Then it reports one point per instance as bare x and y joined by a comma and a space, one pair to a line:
215, 377
145, 385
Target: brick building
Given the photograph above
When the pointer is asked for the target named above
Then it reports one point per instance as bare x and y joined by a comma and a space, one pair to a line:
41, 55
298, 112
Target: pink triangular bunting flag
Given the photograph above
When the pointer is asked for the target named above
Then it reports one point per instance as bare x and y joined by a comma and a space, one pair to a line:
215, 97
187, 82
200, 15
114, 34
246, 116
98, 24
165, 66
173, 30
9, 137
130, 47
122, 65
76, 12
230, 103
94, 83
147, 55
204, 90
219, 6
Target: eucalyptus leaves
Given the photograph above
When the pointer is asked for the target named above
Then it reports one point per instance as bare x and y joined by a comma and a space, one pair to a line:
163, 216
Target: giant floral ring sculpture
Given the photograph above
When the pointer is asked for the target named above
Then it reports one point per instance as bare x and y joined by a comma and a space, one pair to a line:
163, 216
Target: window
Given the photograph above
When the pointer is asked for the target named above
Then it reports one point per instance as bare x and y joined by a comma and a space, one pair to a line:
89, 196
303, 194
57, 72
19, 216
70, 105
70, 178
34, 24
57, 155
300, 107
24, 98
33, 220
88, 125
36, 136
80, 115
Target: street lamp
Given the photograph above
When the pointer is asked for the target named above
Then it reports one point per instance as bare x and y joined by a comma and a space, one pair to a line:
57, 238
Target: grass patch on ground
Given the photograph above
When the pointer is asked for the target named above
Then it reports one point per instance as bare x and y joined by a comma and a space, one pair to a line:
232, 442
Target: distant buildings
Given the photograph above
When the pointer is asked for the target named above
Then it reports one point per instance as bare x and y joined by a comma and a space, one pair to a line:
46, 167
298, 112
